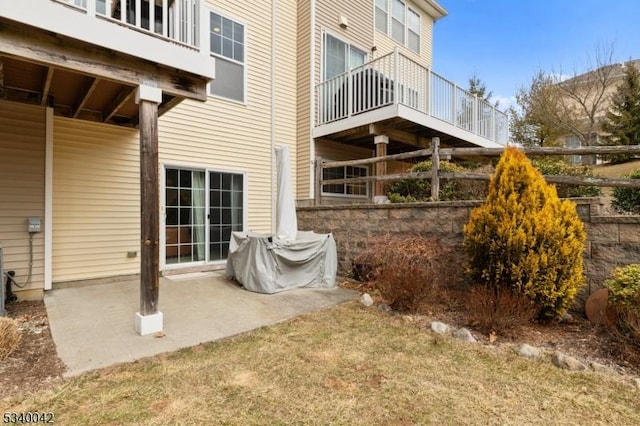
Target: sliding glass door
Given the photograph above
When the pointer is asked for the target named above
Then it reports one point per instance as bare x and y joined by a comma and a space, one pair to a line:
202, 208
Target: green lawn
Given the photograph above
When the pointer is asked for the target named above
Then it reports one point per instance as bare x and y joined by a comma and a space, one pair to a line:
346, 365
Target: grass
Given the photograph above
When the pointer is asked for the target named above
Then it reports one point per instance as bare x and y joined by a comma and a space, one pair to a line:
616, 170
347, 365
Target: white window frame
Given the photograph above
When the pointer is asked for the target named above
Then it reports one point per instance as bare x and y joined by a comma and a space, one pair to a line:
390, 19
244, 64
163, 205
386, 15
344, 193
323, 64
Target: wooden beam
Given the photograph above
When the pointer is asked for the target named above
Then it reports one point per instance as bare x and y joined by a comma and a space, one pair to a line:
46, 86
399, 135
166, 106
149, 208
381, 142
25, 43
402, 156
85, 94
116, 103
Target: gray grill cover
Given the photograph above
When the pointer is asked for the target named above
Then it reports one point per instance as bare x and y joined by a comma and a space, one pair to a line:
268, 265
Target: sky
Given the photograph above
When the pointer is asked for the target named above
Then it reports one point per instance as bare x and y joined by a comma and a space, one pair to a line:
506, 42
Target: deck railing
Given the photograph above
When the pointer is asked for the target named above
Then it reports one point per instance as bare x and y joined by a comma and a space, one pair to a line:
176, 20
395, 78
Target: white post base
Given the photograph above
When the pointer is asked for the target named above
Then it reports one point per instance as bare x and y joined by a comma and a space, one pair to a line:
380, 199
148, 324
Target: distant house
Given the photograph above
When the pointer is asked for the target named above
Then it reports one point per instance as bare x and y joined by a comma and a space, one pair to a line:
217, 85
592, 89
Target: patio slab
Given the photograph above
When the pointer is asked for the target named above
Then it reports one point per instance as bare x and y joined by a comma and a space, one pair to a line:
93, 326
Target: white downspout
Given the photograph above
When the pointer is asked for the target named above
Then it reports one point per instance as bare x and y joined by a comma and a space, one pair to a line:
274, 30
48, 199
312, 109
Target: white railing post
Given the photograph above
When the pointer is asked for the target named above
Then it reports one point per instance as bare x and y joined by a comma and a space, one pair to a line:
493, 134
203, 42
138, 22
428, 111
474, 117
91, 8
165, 18
123, 11
396, 77
454, 97
350, 83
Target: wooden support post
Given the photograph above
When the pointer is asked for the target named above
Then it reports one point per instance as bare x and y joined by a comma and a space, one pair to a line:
317, 200
381, 142
148, 99
435, 165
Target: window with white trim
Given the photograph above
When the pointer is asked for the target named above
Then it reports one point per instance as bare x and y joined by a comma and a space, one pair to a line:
398, 11
340, 56
227, 43
382, 15
358, 189
402, 24
413, 30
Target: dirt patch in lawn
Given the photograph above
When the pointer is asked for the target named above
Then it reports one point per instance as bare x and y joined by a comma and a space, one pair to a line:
34, 365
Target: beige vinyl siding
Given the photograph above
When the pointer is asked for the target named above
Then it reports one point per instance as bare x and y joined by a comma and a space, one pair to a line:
386, 44
226, 135
286, 89
359, 33
22, 171
305, 93
96, 200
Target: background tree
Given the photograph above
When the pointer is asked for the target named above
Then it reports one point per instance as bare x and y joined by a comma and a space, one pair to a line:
554, 106
622, 122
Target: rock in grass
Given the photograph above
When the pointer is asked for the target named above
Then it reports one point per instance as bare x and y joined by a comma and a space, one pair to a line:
366, 300
528, 351
440, 327
464, 335
567, 362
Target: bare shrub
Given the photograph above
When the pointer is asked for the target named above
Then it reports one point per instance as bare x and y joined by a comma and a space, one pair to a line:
499, 309
9, 336
409, 270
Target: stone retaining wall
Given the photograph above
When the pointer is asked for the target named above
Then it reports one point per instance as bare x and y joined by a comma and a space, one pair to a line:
611, 240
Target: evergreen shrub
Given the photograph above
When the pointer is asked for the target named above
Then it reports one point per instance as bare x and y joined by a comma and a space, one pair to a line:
526, 239
550, 166
627, 200
624, 298
419, 190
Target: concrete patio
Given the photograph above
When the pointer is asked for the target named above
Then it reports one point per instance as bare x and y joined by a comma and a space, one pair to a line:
92, 326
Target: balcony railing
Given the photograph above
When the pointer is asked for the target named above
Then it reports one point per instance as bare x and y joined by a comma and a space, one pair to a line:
175, 20
396, 79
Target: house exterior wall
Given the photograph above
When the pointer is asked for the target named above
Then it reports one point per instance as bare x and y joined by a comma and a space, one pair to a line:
385, 44
22, 186
96, 200
314, 19
96, 196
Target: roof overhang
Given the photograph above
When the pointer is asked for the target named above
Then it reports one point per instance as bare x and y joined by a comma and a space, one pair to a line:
433, 8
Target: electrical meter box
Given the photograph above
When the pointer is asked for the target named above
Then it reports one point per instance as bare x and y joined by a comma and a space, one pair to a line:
33, 224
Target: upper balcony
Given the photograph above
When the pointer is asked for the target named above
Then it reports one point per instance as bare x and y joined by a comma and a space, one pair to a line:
394, 92
166, 32
86, 58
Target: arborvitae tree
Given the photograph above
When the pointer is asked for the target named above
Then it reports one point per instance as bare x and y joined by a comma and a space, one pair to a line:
525, 239
623, 118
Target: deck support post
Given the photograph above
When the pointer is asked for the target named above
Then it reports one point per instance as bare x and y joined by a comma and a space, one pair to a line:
149, 319
381, 142
435, 165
